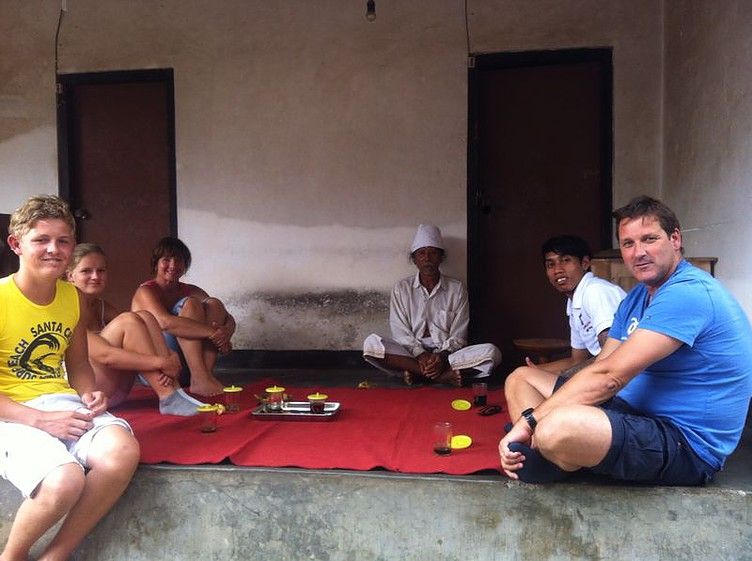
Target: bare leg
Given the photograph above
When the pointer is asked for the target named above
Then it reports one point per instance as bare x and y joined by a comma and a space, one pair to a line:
155, 333
527, 387
203, 381
128, 332
216, 314
573, 437
113, 458
54, 497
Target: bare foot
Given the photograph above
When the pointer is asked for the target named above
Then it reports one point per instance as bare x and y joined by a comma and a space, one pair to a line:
407, 376
208, 388
451, 377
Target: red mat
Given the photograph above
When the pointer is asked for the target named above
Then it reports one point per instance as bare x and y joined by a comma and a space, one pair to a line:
375, 428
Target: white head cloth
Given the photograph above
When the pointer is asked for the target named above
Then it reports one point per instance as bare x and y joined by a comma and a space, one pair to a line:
427, 235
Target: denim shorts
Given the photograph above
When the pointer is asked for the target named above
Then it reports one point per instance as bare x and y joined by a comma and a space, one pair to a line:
184, 378
648, 449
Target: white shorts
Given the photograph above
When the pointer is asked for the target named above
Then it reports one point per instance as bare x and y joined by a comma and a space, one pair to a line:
28, 454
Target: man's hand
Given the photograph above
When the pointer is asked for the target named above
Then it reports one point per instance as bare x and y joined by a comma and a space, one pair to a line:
95, 401
512, 461
65, 425
432, 365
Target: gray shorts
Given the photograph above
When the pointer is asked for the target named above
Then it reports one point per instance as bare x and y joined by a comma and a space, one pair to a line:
28, 454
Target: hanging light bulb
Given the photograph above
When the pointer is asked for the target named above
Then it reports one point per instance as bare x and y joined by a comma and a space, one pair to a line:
371, 10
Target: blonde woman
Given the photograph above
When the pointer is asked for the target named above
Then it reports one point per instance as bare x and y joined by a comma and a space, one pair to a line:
122, 345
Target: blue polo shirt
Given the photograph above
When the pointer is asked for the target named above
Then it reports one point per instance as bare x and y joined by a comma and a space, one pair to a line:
704, 387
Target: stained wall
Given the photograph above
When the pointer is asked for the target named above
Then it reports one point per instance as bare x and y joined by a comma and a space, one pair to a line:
708, 138
310, 142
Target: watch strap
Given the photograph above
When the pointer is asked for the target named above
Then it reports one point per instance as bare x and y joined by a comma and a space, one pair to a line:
527, 414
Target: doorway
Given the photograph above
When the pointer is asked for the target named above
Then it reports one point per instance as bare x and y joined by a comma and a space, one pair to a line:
539, 165
116, 152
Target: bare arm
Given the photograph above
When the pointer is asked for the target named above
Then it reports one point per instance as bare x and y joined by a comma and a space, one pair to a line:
80, 374
147, 298
68, 425
602, 338
607, 348
608, 374
577, 356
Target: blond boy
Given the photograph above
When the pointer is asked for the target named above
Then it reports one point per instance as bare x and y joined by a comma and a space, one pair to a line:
58, 445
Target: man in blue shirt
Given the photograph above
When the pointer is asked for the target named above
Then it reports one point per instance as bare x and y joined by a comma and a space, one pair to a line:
666, 400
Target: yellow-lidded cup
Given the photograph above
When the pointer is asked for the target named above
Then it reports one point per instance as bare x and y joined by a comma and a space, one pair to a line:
317, 402
276, 395
207, 415
232, 398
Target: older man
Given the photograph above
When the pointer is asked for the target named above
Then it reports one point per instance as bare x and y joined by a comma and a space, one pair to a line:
428, 317
666, 399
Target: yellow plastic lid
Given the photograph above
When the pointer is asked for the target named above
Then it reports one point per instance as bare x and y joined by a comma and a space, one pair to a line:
460, 441
232, 389
317, 396
274, 389
461, 405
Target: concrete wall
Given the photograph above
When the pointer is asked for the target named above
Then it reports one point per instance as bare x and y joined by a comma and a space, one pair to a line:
708, 144
310, 143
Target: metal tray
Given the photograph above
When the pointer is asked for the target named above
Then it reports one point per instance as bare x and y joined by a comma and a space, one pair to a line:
297, 411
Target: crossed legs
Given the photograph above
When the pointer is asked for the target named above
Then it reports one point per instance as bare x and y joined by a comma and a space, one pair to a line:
412, 370
571, 436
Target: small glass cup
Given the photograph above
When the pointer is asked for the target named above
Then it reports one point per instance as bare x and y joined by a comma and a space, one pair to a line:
275, 396
207, 415
232, 398
442, 438
317, 402
480, 394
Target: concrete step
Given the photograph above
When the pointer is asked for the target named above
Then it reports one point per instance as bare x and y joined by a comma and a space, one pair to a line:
226, 512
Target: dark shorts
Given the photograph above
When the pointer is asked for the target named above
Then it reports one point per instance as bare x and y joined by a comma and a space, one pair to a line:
648, 449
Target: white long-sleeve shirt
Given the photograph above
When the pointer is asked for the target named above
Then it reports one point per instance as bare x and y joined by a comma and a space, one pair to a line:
445, 311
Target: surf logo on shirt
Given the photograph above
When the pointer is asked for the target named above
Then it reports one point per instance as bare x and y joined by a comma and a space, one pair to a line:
38, 357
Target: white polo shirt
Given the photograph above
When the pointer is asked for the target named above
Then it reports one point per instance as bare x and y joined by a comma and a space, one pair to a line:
590, 310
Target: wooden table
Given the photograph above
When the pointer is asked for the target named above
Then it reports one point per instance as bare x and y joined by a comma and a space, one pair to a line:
543, 348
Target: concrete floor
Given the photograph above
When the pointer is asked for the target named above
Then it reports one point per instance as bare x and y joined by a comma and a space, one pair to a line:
226, 512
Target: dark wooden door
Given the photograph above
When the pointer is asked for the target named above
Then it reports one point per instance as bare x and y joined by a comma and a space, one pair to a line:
540, 165
118, 167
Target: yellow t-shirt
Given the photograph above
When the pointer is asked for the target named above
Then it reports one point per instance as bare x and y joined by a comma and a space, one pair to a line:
33, 341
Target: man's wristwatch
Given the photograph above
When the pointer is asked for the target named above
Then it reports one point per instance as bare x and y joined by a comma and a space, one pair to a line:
527, 414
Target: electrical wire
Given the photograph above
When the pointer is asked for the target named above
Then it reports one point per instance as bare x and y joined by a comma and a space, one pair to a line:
467, 30
57, 37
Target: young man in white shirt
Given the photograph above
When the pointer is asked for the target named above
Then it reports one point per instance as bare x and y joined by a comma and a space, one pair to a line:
591, 301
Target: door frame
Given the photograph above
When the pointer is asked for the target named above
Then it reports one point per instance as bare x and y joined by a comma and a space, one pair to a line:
475, 200
64, 117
